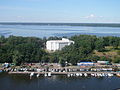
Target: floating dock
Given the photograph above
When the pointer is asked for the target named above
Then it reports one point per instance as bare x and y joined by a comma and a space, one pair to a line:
63, 73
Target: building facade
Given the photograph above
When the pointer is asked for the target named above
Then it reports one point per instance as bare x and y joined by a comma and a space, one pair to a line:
54, 45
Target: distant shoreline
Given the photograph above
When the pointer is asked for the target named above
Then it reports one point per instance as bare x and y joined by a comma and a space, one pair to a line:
63, 24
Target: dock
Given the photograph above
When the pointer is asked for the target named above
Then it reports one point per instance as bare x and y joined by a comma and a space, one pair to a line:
64, 73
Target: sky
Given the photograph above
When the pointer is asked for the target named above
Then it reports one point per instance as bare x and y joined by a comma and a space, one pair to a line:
66, 11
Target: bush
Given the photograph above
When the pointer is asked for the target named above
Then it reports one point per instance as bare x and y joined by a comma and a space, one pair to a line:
116, 60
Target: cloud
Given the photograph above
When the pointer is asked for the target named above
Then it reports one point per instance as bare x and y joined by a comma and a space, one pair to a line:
92, 16
20, 17
14, 8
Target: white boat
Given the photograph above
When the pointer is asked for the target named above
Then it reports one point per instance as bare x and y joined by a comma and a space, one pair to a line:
92, 74
77, 74
31, 74
95, 74
71, 74
106, 74
99, 74
118, 74
110, 74
80, 74
38, 75
68, 75
103, 74
49, 74
45, 74
85, 74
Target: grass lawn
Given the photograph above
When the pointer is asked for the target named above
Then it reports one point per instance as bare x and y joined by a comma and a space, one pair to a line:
109, 52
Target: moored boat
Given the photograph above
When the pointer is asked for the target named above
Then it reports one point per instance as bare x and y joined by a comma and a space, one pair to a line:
45, 74
31, 74
38, 75
49, 74
1, 71
118, 74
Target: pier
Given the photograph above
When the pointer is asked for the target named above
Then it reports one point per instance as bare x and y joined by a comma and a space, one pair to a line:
64, 73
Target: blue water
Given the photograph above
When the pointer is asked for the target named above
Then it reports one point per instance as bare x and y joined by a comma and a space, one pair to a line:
52, 30
23, 82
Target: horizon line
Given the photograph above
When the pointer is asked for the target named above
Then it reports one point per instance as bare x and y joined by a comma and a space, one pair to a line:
63, 22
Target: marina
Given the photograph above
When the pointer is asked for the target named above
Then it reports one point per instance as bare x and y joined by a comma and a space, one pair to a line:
70, 74
60, 45
51, 69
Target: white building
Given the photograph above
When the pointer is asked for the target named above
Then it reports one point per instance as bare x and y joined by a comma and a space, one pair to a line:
54, 45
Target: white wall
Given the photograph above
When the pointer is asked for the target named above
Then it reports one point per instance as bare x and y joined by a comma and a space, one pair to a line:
54, 45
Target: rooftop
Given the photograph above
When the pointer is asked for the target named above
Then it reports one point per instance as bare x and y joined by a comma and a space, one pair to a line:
63, 40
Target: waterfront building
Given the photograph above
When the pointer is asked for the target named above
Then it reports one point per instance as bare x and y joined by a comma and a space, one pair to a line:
54, 45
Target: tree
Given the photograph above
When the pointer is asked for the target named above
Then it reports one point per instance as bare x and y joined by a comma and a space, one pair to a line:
61, 61
17, 58
99, 44
45, 59
114, 41
31, 49
103, 58
118, 52
116, 60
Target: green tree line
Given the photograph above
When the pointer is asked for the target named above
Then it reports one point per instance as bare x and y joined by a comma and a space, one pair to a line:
15, 49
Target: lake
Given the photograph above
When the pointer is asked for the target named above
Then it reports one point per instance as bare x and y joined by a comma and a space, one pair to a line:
56, 30
23, 82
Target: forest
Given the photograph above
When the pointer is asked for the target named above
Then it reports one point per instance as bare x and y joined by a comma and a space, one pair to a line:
18, 50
